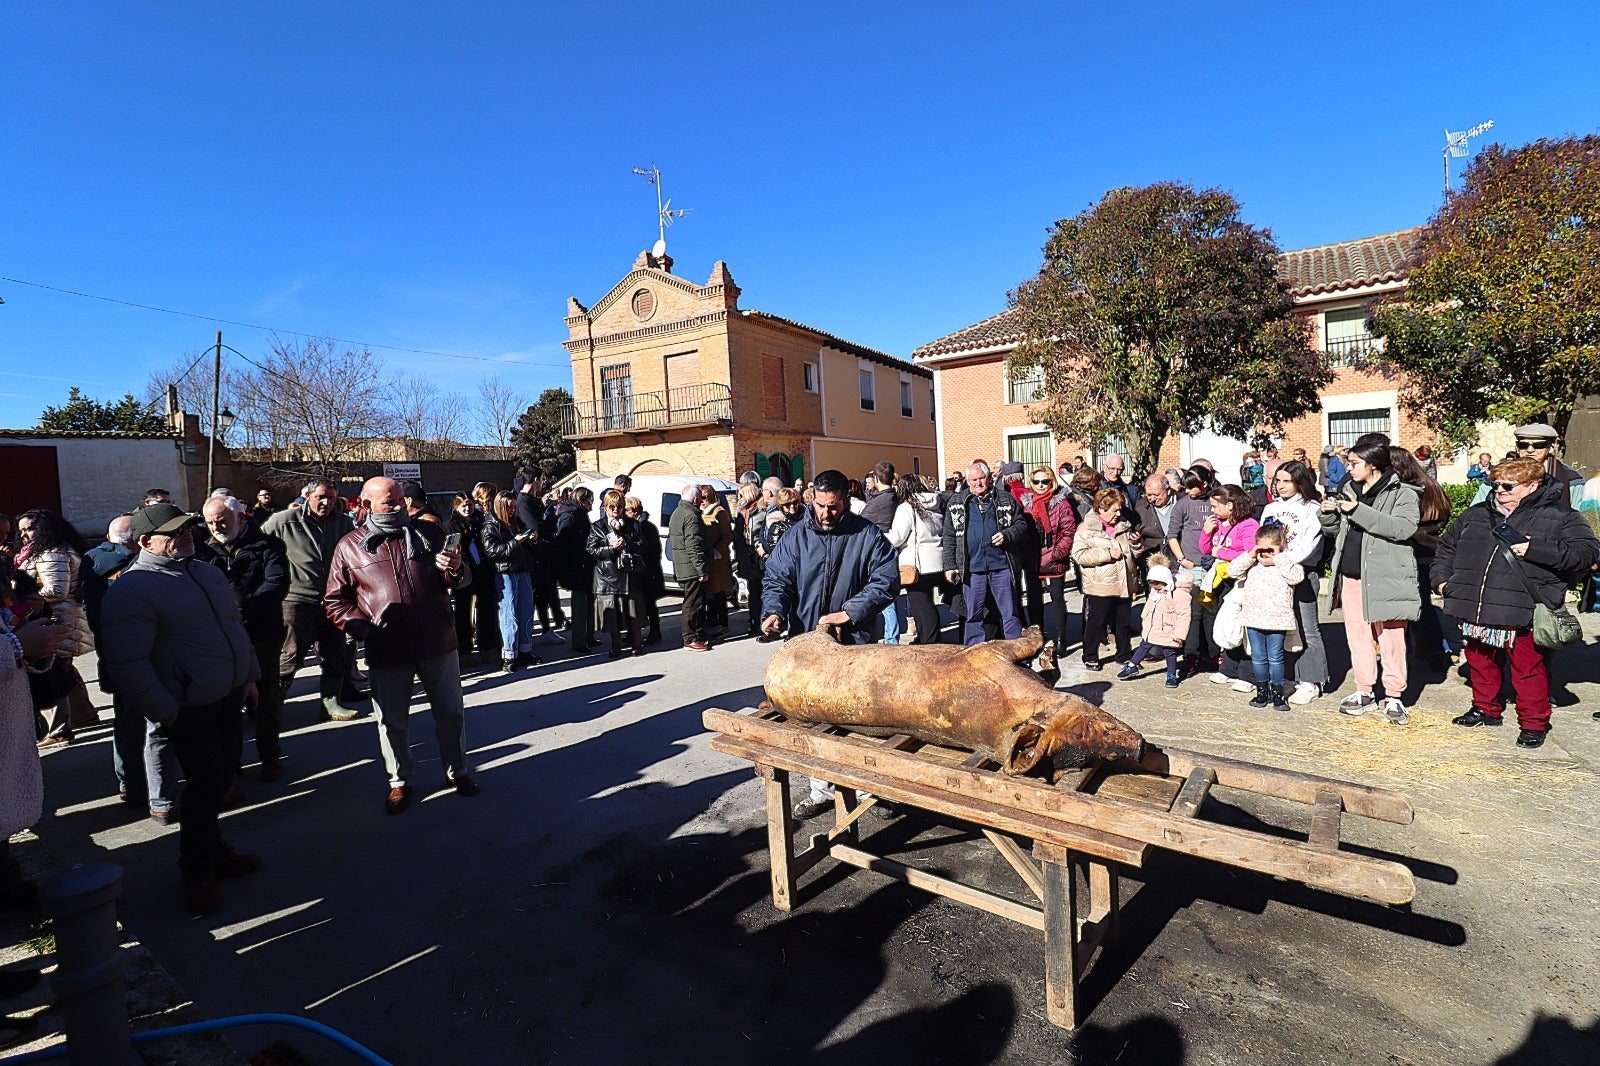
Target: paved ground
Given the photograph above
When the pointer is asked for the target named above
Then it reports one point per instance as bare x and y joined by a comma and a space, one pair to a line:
605, 898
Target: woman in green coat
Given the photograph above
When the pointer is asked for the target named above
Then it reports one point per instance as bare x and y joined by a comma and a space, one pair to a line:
1371, 524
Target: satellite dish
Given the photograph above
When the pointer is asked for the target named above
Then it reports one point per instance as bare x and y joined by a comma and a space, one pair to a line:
660, 249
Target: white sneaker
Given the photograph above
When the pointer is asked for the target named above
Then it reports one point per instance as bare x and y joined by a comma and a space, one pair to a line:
1356, 703
1221, 679
1242, 685
1394, 712
1305, 692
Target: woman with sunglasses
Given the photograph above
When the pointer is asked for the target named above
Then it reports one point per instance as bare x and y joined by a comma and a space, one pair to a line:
1371, 523
654, 583
1294, 509
1055, 520
1525, 535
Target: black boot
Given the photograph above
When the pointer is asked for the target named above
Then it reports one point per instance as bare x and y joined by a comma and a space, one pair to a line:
1280, 700
1263, 695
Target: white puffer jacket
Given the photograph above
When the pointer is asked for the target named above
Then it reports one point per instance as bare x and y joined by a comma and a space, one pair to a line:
919, 540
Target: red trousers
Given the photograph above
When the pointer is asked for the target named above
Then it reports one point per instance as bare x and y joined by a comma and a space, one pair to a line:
1530, 679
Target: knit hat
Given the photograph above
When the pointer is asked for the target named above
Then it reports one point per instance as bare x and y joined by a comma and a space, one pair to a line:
1159, 573
1008, 469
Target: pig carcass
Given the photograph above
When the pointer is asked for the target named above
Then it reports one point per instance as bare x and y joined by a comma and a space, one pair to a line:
976, 697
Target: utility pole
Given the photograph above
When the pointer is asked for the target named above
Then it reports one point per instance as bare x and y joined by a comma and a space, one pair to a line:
216, 396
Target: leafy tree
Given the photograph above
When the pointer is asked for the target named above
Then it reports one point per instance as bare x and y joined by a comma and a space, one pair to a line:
536, 440
86, 414
1158, 311
1501, 313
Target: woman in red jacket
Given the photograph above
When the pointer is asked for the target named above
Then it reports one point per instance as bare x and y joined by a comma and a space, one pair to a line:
1050, 508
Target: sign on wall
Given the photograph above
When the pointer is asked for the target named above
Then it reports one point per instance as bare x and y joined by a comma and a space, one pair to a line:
403, 471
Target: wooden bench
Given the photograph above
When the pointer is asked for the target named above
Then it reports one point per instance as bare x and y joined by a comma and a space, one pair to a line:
1102, 819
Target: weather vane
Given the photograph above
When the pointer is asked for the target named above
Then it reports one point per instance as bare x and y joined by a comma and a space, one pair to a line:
665, 213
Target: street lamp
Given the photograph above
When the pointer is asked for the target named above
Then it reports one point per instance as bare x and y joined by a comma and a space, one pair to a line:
225, 421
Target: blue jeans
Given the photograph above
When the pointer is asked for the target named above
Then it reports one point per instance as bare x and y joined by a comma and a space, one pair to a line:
516, 614
891, 622
1266, 654
979, 590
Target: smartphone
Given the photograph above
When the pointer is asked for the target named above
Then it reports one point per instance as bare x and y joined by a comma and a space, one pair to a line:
452, 542
1509, 533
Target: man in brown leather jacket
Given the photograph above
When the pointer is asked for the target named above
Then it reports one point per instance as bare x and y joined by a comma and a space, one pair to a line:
389, 584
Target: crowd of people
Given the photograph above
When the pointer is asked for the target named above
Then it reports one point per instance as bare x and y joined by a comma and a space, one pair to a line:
201, 620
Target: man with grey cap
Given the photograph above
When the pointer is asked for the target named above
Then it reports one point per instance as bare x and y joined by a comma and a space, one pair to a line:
1537, 440
173, 645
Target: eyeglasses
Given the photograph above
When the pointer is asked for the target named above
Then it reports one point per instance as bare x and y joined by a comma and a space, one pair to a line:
1042, 483
1506, 486
791, 507
1540, 445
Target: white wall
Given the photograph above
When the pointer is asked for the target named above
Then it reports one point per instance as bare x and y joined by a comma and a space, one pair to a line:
103, 476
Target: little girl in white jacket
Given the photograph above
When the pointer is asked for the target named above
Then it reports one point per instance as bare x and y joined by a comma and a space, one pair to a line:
1267, 586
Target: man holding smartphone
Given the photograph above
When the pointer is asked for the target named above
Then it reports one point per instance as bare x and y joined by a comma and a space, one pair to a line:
389, 584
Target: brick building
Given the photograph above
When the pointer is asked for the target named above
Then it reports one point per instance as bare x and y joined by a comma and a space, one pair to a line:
985, 410
673, 377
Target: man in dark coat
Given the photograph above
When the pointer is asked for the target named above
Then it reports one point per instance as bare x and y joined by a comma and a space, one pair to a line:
984, 532
690, 565
574, 566
834, 567
258, 572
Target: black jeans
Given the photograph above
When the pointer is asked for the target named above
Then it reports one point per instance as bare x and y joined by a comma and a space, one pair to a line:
1099, 612
1057, 587
205, 739
919, 597
305, 623
1033, 592
694, 611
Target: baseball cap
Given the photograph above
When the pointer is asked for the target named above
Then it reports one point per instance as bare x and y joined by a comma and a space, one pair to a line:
162, 519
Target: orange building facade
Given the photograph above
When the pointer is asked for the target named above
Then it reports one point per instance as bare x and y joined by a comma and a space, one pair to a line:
670, 377
987, 412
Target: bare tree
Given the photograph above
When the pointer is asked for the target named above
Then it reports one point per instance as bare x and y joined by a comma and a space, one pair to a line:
309, 404
499, 407
429, 421
191, 373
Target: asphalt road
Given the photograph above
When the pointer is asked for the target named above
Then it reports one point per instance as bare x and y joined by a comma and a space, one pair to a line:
604, 900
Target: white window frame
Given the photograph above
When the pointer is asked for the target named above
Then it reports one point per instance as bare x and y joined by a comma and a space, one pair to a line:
808, 377
1363, 401
869, 398
908, 398
1025, 431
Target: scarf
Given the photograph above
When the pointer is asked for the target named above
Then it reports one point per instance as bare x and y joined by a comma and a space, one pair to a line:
382, 527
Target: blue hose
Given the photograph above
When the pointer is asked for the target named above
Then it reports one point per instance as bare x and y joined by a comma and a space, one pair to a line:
156, 1035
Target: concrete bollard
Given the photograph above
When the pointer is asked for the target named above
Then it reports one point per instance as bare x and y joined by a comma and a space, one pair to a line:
82, 901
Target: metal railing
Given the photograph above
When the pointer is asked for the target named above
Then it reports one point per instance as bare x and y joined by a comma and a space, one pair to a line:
1029, 389
1352, 351
687, 405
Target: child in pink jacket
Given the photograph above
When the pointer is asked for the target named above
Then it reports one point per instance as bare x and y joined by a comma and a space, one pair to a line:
1267, 587
1166, 619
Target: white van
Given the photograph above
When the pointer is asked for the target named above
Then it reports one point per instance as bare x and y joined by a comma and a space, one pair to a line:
661, 494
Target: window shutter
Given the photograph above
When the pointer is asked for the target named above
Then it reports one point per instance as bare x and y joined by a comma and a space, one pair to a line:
762, 467
797, 468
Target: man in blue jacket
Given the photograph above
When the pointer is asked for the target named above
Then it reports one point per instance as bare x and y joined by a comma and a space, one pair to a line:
834, 567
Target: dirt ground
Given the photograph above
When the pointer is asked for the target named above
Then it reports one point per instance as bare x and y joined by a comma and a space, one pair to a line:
606, 899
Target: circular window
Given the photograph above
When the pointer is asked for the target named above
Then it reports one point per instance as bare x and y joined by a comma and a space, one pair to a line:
644, 304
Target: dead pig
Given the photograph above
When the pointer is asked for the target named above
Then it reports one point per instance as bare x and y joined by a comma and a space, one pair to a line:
977, 698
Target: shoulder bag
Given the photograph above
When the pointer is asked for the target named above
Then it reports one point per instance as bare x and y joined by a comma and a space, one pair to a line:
1552, 628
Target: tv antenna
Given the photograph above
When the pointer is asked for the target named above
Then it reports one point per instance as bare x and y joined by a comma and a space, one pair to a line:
666, 214
1455, 144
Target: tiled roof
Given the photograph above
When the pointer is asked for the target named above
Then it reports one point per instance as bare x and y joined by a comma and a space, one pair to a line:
1316, 271
87, 434
843, 345
1350, 264
1002, 329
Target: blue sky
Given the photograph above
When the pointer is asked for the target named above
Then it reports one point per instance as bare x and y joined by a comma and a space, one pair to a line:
443, 177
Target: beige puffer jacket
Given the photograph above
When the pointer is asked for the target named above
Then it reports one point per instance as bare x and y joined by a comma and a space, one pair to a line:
1091, 550
56, 573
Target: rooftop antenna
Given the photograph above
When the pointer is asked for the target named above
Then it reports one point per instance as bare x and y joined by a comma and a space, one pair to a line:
1455, 144
665, 214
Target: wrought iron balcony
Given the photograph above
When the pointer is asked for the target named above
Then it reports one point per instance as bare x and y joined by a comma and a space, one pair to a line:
1352, 351
687, 405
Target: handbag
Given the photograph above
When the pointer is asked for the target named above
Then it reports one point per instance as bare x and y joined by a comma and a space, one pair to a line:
1228, 629
1552, 627
908, 574
54, 683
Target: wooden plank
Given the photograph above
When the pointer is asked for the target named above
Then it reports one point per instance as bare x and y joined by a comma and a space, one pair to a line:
846, 810
1325, 818
1060, 945
976, 760
1138, 787
943, 886
969, 809
1032, 809
1365, 800
780, 834
1193, 793
1026, 868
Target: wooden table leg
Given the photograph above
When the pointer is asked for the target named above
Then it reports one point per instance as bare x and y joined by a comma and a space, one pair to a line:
1060, 939
780, 834
1105, 903
844, 801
